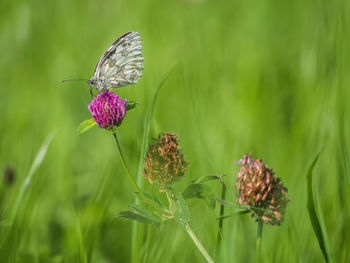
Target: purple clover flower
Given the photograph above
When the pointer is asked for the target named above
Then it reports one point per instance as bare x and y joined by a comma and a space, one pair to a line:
108, 110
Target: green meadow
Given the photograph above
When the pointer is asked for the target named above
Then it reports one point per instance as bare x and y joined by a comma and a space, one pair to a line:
269, 78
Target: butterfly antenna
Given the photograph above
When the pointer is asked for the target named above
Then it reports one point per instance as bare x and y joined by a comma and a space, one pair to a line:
65, 80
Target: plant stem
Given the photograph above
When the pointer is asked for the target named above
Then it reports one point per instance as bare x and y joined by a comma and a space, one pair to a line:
259, 239
170, 200
126, 167
199, 244
138, 189
221, 220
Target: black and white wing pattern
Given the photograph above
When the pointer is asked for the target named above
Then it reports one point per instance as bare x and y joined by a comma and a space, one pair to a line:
121, 64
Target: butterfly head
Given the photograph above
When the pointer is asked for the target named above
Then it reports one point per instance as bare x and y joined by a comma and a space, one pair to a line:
92, 81
100, 84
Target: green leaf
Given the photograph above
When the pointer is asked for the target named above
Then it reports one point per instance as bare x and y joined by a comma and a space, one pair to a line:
131, 105
202, 191
146, 212
211, 202
86, 125
151, 198
134, 216
221, 201
141, 214
239, 212
207, 178
182, 212
317, 223
196, 190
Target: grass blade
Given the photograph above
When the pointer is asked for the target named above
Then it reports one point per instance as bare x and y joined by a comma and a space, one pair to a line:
316, 222
239, 212
139, 177
35, 165
147, 125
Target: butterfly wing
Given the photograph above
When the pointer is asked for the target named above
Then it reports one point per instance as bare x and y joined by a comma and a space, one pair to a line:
122, 63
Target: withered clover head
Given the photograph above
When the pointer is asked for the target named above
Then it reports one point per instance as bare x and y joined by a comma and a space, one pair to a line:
258, 189
164, 161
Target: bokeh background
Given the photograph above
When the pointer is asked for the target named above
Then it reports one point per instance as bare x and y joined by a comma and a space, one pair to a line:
267, 77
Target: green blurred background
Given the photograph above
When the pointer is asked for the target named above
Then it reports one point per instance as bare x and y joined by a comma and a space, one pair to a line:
267, 77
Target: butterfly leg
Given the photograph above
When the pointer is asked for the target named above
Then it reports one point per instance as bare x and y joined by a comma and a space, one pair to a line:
92, 95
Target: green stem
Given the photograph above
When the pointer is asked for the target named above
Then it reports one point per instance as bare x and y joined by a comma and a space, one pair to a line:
199, 244
221, 220
170, 197
259, 239
126, 167
138, 189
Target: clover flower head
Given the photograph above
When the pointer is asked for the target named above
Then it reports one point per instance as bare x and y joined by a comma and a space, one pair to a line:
258, 189
164, 161
108, 110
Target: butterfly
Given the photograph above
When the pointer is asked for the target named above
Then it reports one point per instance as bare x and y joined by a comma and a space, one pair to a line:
120, 65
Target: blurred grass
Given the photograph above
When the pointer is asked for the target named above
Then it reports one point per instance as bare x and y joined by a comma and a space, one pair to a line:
317, 218
267, 77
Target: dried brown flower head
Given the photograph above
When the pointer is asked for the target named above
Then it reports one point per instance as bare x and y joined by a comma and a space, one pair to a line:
164, 161
258, 189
